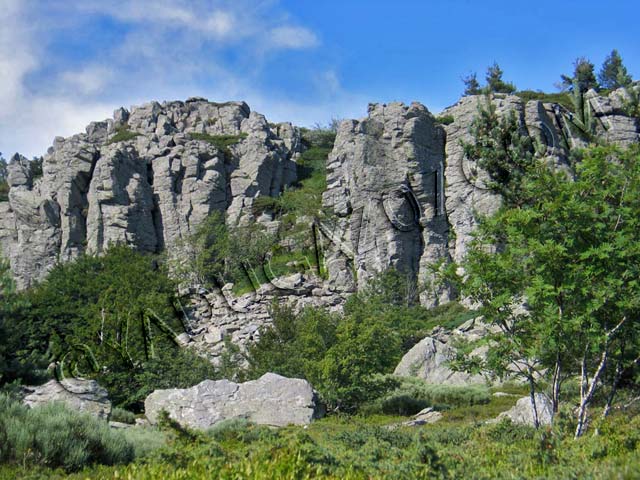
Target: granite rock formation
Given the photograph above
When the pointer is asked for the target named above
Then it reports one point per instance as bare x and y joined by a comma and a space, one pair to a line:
271, 400
79, 395
145, 178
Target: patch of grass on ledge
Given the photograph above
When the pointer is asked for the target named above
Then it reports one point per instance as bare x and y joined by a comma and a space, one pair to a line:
123, 134
563, 98
222, 142
4, 191
445, 119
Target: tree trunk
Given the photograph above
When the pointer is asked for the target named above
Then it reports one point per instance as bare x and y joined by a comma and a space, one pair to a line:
587, 389
555, 395
532, 396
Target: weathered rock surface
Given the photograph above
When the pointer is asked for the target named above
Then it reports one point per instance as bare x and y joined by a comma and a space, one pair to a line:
523, 414
144, 179
385, 186
79, 395
271, 400
429, 358
218, 316
424, 417
398, 182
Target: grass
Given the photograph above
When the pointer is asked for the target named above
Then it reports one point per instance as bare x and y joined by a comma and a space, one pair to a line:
54, 436
445, 119
4, 191
123, 134
222, 142
341, 447
562, 98
461, 445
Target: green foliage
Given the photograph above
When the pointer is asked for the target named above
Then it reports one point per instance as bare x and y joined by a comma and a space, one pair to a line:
294, 345
304, 198
54, 436
471, 84
123, 133
613, 73
501, 149
561, 98
121, 415
222, 142
340, 354
572, 258
495, 83
411, 395
219, 253
111, 317
583, 78
445, 119
371, 448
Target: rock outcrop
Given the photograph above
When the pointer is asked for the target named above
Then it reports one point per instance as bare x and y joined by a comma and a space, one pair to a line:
404, 193
79, 395
146, 178
271, 400
523, 414
218, 316
400, 188
429, 358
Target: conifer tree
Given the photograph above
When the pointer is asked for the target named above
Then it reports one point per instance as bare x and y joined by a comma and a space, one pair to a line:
471, 84
495, 83
613, 73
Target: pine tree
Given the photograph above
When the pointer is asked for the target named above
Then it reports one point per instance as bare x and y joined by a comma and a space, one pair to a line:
495, 84
471, 84
613, 73
583, 76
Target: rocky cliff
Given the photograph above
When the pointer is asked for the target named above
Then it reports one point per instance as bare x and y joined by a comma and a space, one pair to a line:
399, 188
146, 177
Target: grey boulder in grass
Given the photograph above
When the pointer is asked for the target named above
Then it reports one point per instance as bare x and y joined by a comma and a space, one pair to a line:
270, 400
79, 395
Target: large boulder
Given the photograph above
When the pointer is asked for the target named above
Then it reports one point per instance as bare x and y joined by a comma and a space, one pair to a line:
271, 400
429, 358
79, 395
522, 413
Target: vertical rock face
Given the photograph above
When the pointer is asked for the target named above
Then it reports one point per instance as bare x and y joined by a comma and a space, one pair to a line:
385, 187
146, 178
403, 193
399, 185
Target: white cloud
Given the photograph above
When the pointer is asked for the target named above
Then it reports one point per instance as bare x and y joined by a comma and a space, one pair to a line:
88, 81
293, 37
43, 95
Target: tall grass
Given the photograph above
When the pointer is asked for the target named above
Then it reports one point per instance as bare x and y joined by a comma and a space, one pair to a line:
54, 436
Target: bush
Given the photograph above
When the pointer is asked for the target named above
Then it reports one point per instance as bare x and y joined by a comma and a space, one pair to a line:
123, 416
221, 142
113, 318
4, 191
54, 436
122, 134
411, 395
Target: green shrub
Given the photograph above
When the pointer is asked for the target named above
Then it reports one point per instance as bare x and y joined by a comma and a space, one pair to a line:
121, 415
122, 134
561, 98
412, 395
222, 142
445, 119
4, 191
54, 436
112, 317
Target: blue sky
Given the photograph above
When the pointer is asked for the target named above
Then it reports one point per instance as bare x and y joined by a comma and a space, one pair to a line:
64, 63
